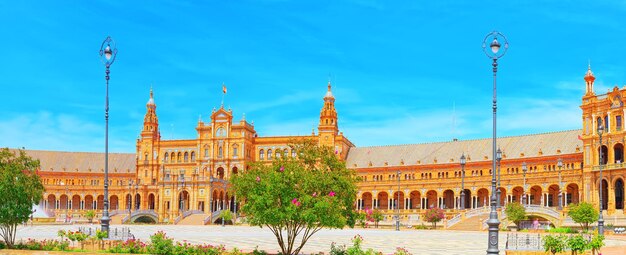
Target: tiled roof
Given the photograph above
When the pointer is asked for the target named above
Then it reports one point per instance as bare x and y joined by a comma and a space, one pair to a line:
61, 161
512, 147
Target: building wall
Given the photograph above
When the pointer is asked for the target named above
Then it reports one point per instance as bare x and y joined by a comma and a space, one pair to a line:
173, 176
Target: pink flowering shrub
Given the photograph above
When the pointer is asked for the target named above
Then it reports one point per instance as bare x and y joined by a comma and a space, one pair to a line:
434, 215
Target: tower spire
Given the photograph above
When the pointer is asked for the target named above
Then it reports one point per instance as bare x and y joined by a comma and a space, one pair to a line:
589, 79
150, 120
328, 127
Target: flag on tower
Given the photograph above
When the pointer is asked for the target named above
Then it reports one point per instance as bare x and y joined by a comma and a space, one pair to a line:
224, 88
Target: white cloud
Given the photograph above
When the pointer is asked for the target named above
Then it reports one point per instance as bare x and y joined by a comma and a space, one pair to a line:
47, 131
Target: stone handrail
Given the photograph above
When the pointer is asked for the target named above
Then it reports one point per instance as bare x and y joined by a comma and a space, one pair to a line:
207, 219
456, 219
213, 215
477, 211
116, 212
190, 212
542, 209
178, 219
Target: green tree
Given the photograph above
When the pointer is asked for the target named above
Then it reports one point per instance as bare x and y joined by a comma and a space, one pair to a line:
583, 213
554, 244
298, 196
20, 187
434, 215
515, 213
90, 214
226, 215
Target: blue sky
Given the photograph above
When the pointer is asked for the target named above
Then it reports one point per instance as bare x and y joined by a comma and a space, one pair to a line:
398, 68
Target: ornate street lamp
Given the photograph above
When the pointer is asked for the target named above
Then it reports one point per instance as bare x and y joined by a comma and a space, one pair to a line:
398, 204
560, 165
135, 195
130, 197
600, 218
108, 51
498, 192
524, 169
494, 53
462, 182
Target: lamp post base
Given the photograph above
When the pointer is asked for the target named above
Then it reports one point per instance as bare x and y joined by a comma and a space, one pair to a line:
105, 224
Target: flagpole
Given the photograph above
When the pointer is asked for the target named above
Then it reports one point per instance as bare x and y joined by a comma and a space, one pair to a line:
223, 93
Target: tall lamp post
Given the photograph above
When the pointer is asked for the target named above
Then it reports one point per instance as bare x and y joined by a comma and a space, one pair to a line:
462, 205
130, 196
499, 192
494, 53
560, 165
398, 205
524, 169
108, 51
600, 218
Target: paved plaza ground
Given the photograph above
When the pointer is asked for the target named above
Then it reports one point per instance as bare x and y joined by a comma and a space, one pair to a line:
247, 238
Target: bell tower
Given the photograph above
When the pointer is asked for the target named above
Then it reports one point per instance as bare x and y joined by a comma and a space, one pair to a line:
148, 145
589, 79
328, 127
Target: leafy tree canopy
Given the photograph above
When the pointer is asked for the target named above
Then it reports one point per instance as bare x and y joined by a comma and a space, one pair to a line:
298, 196
583, 213
515, 212
20, 187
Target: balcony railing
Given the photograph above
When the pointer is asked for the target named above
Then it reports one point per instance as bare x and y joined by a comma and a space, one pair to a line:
609, 166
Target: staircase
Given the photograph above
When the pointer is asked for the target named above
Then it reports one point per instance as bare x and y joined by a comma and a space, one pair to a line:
471, 224
194, 219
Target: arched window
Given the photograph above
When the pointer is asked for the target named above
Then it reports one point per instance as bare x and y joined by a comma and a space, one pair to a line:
278, 153
180, 157
235, 150
269, 154
173, 157
261, 154
186, 156
166, 157
293, 153
598, 123
206, 151
193, 156
145, 156
285, 153
220, 152
606, 124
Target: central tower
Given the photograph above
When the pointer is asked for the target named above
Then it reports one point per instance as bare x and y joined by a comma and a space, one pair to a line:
328, 127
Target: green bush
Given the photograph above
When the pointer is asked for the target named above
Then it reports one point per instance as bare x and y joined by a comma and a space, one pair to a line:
577, 243
45, 245
356, 248
596, 243
129, 246
554, 244
562, 230
337, 249
256, 251
421, 226
160, 244
401, 251
2, 245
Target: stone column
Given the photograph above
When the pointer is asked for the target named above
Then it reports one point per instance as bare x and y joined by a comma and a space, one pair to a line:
611, 204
